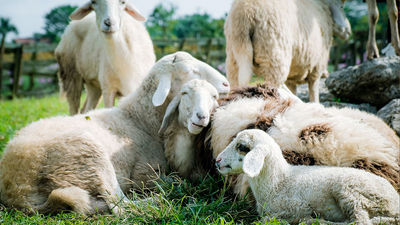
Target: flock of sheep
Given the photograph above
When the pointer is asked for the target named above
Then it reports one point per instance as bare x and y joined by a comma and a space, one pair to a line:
300, 160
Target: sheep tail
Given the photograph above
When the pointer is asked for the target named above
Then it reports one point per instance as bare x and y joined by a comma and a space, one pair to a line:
70, 198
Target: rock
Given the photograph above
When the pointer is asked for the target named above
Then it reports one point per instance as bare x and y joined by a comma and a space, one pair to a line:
376, 82
363, 107
391, 115
324, 95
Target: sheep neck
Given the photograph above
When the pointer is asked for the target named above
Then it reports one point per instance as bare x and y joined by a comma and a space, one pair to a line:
272, 176
140, 109
118, 51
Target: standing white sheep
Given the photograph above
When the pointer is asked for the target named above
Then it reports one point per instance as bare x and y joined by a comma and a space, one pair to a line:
282, 40
109, 52
297, 193
89, 162
186, 116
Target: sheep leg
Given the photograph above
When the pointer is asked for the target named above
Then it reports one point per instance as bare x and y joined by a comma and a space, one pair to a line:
92, 98
393, 17
232, 70
109, 98
313, 90
292, 86
373, 14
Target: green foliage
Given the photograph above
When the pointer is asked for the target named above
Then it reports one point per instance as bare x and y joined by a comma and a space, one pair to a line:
163, 24
56, 21
7, 27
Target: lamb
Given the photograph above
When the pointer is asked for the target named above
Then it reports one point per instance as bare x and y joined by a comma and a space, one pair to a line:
308, 133
90, 162
109, 52
262, 38
186, 116
373, 14
298, 193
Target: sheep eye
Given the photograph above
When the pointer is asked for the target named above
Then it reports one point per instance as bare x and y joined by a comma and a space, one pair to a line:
123, 2
184, 93
93, 2
242, 148
214, 96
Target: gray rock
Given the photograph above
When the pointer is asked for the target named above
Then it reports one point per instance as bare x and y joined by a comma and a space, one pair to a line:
391, 115
363, 107
376, 82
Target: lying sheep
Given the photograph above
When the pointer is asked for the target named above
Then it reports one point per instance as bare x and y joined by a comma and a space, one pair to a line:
296, 193
186, 116
262, 38
308, 134
89, 162
373, 14
109, 52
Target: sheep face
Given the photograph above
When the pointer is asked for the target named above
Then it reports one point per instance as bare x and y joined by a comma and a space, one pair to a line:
246, 153
195, 102
108, 14
341, 25
180, 68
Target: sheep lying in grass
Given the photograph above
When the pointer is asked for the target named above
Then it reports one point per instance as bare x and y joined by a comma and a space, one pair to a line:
308, 133
282, 40
186, 116
89, 162
296, 193
109, 52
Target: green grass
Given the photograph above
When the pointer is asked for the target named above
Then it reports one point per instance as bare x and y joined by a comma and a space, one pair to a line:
177, 201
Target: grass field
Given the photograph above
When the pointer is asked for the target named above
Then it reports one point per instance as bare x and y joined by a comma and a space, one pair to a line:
177, 201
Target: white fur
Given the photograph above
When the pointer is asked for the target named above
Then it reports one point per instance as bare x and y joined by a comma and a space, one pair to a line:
110, 60
282, 40
353, 134
181, 124
101, 155
296, 193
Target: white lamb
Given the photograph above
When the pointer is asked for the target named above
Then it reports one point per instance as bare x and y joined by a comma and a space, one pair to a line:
282, 40
186, 116
298, 193
89, 162
110, 52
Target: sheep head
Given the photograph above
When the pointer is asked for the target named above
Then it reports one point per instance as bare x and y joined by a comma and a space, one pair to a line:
246, 153
173, 70
194, 104
108, 13
341, 25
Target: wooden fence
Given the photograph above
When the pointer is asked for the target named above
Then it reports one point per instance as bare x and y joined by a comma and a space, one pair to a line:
38, 60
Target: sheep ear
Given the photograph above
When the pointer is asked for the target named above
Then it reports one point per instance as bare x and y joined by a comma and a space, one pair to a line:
81, 12
168, 117
253, 162
134, 12
163, 88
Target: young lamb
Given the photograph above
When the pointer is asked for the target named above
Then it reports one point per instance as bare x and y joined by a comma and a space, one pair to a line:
308, 133
109, 52
262, 38
186, 116
298, 193
373, 14
89, 162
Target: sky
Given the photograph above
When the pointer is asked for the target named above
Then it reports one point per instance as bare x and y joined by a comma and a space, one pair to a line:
27, 15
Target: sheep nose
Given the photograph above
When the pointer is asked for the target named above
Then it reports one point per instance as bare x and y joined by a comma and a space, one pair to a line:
201, 117
218, 160
226, 84
107, 22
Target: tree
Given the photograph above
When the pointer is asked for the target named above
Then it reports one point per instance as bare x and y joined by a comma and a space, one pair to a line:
56, 21
160, 22
199, 25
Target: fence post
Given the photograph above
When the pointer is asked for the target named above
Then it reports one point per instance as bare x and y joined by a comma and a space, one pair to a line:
17, 69
2, 49
31, 74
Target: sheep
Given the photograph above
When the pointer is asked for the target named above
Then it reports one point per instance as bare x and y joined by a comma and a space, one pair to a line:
90, 162
308, 133
186, 116
373, 15
262, 38
110, 52
299, 193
